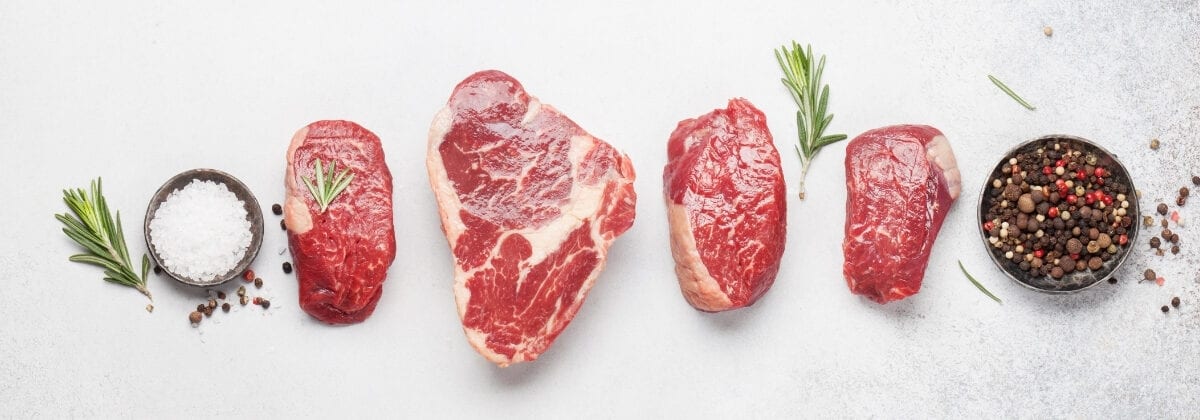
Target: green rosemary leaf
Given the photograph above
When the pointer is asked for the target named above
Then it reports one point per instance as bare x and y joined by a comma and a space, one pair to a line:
1010, 93
977, 284
325, 187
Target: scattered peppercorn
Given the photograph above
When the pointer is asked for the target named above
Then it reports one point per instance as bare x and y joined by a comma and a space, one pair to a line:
1175, 249
1162, 209
195, 318
258, 283
1112, 280
277, 209
1149, 274
241, 291
1165, 309
1148, 221
220, 295
1048, 30
150, 307
257, 300
200, 307
1154, 144
1183, 191
1174, 238
225, 306
248, 275
283, 224
1175, 301
157, 270
287, 267
212, 303
266, 304
1155, 242
1181, 201
243, 299
208, 311
1195, 180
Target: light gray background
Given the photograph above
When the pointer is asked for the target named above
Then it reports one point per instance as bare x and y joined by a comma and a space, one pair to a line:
139, 91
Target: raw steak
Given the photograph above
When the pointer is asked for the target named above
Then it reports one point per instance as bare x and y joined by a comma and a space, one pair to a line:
900, 183
530, 204
726, 202
341, 255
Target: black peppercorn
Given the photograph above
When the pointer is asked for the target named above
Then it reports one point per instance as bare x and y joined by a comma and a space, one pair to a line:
283, 224
1175, 301
265, 304
225, 306
1155, 242
1162, 209
220, 295
1181, 201
1175, 249
277, 209
1165, 309
1112, 280
1149, 274
287, 267
195, 318
258, 282
1195, 180
157, 270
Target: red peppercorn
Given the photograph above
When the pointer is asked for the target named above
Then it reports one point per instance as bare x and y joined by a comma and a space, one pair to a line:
1099, 181
1046, 170
1060, 163
1099, 172
1123, 239
1053, 212
1108, 200
1090, 199
257, 300
1072, 199
1074, 256
248, 275
1060, 184
1039, 253
988, 225
1080, 174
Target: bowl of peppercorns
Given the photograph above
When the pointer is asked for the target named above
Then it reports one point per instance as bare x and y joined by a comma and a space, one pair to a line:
1059, 214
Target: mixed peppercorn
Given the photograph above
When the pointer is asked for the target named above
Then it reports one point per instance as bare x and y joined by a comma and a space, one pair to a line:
1057, 210
205, 310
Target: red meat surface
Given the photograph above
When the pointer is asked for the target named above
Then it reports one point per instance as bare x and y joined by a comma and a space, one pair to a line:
900, 183
342, 255
530, 203
727, 206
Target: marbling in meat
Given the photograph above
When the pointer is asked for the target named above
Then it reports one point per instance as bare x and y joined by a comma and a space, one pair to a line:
530, 203
342, 254
727, 206
900, 183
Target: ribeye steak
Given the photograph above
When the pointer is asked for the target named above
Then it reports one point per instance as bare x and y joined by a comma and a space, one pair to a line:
727, 206
342, 254
900, 183
530, 203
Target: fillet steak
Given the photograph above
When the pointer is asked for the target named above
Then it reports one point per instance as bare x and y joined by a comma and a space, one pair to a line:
900, 183
342, 254
530, 203
727, 206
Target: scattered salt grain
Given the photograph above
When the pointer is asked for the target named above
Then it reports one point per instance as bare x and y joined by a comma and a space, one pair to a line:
201, 231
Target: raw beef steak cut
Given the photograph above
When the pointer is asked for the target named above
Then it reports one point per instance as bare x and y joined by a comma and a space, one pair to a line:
341, 255
726, 202
900, 183
530, 203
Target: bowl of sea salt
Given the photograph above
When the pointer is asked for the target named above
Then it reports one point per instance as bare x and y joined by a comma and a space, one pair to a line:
203, 227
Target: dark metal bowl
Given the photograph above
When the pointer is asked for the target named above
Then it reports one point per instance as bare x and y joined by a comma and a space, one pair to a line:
253, 211
1078, 280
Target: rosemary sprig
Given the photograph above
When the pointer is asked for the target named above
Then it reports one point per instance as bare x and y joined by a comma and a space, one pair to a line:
802, 76
976, 283
94, 228
327, 183
1010, 93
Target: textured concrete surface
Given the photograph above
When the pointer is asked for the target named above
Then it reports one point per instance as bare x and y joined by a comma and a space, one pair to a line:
139, 92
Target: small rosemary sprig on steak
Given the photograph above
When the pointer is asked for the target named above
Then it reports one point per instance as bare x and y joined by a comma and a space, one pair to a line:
802, 76
94, 228
327, 183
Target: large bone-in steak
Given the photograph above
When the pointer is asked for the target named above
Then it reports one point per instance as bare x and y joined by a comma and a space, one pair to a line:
342, 254
900, 183
727, 206
530, 203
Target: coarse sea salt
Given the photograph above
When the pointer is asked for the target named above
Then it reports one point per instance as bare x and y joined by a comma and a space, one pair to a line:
201, 231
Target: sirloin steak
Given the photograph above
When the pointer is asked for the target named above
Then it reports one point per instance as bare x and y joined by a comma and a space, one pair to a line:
900, 183
727, 206
341, 255
530, 203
